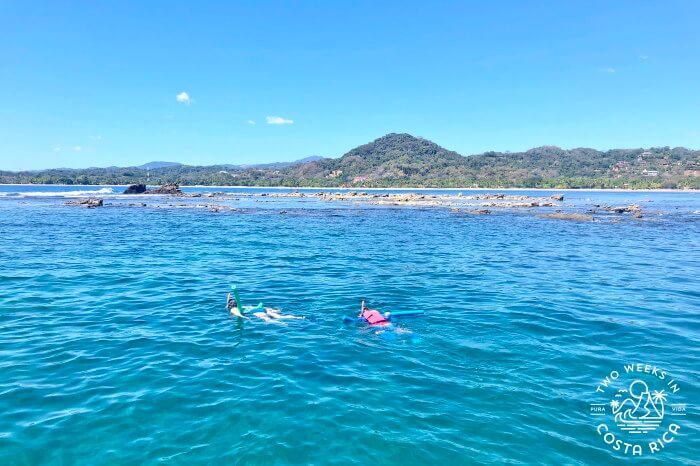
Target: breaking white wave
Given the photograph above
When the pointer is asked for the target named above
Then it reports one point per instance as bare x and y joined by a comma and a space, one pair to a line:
79, 193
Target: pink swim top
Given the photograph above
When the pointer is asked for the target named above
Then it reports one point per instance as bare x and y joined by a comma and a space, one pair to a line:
374, 317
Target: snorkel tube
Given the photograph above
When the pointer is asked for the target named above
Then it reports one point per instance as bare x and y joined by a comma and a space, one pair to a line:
387, 315
234, 288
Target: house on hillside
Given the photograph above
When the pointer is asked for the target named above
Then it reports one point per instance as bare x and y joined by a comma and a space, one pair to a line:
650, 173
621, 166
360, 179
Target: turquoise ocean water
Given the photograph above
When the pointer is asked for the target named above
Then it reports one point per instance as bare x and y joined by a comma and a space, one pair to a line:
116, 347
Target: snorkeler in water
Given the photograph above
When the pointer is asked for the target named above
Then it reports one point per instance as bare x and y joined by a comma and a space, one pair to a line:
381, 322
373, 317
232, 306
267, 314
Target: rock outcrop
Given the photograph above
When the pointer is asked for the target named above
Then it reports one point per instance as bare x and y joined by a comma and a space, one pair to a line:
630, 209
406, 199
471, 211
569, 216
89, 203
135, 189
633, 209
171, 188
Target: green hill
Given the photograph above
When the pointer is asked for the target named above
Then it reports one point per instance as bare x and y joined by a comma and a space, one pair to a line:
402, 160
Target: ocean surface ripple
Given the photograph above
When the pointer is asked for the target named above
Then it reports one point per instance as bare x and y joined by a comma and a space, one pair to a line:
116, 347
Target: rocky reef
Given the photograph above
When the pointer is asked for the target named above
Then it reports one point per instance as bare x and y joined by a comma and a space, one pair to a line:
169, 189
569, 216
545, 207
633, 209
497, 200
89, 203
135, 189
470, 211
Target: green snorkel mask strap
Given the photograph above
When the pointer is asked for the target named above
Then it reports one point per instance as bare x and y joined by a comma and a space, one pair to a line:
234, 288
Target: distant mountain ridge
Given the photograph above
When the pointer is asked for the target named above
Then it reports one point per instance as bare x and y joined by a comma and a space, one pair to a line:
278, 165
154, 165
403, 160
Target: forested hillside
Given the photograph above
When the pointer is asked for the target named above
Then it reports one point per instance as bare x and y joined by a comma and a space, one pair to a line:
402, 160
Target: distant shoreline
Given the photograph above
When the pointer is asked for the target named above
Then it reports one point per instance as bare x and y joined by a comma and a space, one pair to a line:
360, 188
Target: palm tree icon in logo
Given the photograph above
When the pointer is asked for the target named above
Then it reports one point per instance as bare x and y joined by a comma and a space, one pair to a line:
640, 411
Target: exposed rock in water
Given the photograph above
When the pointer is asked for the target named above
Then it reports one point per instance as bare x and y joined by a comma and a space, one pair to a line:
557, 197
173, 189
517, 205
569, 216
472, 211
406, 199
209, 207
632, 208
89, 203
135, 189
497, 197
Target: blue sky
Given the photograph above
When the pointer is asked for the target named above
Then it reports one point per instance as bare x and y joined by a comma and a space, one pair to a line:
96, 83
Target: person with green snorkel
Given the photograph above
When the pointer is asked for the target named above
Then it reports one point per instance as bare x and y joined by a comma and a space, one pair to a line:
232, 305
268, 314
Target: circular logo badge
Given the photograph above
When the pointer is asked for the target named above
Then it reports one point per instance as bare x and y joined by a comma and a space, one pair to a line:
638, 410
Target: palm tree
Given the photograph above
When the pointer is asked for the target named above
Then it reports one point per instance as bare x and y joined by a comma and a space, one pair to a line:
659, 396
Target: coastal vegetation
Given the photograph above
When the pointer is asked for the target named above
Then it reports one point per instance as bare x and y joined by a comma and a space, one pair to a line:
402, 160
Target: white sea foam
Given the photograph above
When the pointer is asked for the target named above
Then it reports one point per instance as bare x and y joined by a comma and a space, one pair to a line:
78, 193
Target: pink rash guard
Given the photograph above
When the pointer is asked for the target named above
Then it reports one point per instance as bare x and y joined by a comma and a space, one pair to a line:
374, 317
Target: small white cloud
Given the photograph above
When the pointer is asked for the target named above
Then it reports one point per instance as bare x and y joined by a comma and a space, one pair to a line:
644, 57
251, 122
77, 148
610, 70
277, 120
96, 138
184, 97
57, 149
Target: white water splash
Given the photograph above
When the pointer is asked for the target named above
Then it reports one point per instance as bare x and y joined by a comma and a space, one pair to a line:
78, 193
